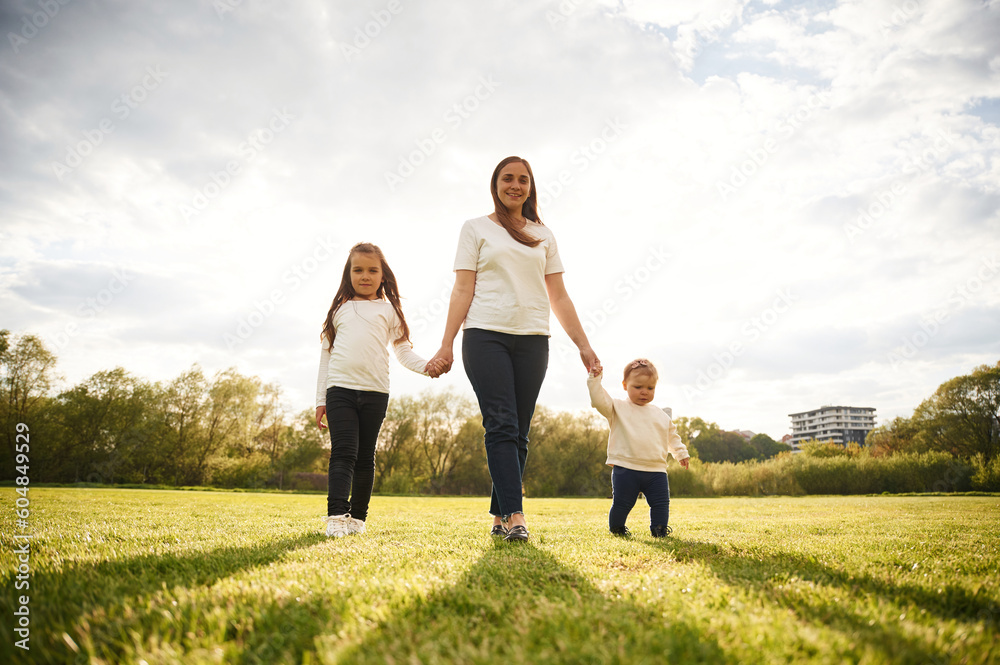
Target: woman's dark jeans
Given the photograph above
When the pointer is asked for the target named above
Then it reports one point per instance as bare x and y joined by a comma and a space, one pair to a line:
506, 371
354, 418
625, 487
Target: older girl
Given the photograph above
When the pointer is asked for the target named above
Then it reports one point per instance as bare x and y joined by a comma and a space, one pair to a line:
352, 389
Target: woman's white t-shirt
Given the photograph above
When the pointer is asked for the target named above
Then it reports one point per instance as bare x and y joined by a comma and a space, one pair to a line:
359, 359
510, 295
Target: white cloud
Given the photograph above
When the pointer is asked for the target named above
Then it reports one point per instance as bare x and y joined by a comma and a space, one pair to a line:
636, 116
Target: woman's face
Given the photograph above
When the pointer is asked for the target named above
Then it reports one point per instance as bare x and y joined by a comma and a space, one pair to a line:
514, 186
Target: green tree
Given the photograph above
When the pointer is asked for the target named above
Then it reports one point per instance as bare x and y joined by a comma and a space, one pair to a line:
305, 448
183, 438
715, 445
567, 454
27, 375
396, 463
104, 429
690, 429
767, 447
470, 473
268, 421
442, 432
244, 426
892, 437
963, 416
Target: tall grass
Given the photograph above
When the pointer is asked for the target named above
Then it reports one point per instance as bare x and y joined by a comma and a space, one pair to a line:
854, 473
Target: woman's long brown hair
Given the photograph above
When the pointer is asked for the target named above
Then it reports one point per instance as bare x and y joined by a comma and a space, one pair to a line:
387, 290
529, 209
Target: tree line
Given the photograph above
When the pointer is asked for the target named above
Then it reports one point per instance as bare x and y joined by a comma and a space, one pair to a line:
231, 430
961, 418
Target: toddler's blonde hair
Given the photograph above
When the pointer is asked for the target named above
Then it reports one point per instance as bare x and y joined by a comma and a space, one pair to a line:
642, 366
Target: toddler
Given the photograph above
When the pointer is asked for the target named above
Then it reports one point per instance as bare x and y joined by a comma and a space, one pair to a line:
641, 436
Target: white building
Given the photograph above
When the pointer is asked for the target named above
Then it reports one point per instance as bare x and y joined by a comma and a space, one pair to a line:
839, 424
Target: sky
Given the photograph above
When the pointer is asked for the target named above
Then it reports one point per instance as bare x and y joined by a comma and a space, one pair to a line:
783, 205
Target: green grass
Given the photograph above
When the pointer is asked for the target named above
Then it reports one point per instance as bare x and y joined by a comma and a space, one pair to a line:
191, 577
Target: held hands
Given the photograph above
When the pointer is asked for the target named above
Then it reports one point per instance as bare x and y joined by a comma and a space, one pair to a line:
441, 362
436, 367
590, 360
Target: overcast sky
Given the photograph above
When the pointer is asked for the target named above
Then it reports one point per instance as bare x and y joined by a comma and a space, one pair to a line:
782, 204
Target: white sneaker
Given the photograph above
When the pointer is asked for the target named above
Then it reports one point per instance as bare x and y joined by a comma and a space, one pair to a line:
357, 526
339, 526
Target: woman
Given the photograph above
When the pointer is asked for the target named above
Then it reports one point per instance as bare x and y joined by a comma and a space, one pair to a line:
507, 276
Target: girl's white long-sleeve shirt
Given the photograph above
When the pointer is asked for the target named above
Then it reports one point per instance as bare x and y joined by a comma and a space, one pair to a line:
359, 358
641, 436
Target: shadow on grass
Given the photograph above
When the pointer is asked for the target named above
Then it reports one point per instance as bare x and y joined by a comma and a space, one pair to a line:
519, 604
108, 597
774, 580
515, 604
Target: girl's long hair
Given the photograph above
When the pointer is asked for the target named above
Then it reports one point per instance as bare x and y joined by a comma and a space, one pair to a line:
387, 290
529, 209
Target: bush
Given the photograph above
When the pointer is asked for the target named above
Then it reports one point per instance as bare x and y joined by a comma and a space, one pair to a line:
825, 471
686, 482
316, 482
750, 479
986, 475
814, 448
246, 472
400, 483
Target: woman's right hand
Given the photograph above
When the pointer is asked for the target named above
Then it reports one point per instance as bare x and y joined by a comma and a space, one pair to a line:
320, 412
590, 360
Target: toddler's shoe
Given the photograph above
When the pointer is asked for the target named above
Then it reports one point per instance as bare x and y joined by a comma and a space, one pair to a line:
621, 531
660, 530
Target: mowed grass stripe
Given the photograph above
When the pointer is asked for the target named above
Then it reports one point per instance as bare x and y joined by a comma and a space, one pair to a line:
182, 576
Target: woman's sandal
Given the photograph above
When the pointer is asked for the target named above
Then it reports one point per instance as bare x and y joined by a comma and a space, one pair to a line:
498, 530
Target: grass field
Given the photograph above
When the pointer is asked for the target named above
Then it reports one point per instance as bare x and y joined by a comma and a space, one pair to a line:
126, 576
